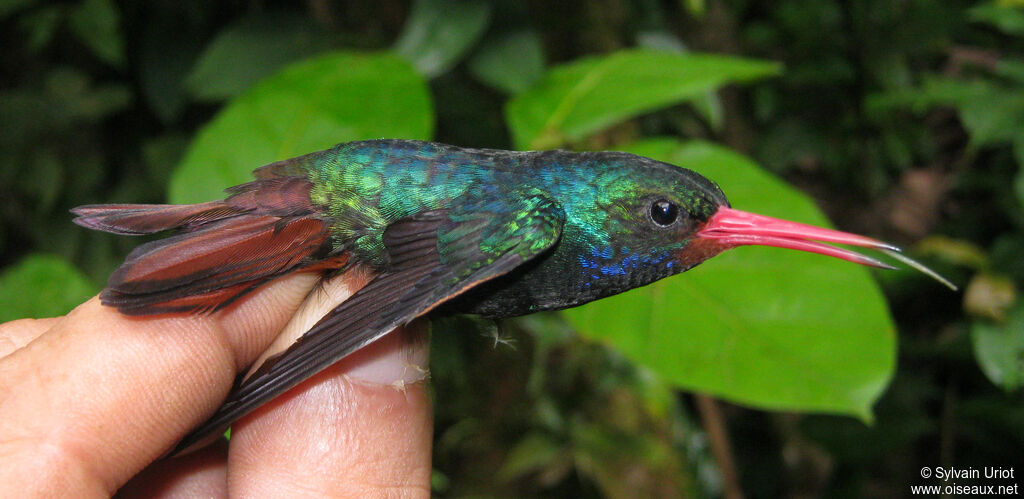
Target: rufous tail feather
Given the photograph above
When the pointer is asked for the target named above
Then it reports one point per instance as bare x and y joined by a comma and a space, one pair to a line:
223, 249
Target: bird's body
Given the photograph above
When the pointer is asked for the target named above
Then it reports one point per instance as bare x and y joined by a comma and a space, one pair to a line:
355, 191
367, 186
490, 232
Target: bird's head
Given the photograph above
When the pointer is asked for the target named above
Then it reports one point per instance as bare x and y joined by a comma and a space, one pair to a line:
675, 218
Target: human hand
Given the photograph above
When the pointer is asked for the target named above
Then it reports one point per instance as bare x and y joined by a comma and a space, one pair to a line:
89, 402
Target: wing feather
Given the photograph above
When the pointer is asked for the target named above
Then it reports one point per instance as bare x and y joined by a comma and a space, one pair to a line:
427, 268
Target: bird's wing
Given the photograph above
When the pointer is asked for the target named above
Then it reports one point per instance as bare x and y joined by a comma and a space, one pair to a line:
434, 256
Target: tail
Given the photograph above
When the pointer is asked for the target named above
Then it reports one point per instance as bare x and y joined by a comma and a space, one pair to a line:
224, 249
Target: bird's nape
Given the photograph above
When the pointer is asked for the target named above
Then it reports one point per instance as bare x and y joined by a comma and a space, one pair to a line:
729, 228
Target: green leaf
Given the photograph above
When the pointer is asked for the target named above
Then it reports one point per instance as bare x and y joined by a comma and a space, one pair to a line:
65, 101
511, 62
695, 7
82, 100
580, 98
1018, 184
708, 106
41, 26
536, 451
439, 482
438, 33
308, 106
42, 286
1012, 69
97, 24
999, 349
993, 114
1008, 19
251, 49
767, 327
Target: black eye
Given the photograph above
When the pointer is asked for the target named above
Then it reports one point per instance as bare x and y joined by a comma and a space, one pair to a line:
664, 213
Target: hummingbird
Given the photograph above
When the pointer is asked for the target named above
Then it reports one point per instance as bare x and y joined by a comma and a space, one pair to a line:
441, 229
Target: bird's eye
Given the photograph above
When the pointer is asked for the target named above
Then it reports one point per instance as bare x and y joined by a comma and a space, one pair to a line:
664, 213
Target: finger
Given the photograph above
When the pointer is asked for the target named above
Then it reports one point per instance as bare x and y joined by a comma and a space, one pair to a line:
16, 334
100, 395
357, 429
200, 474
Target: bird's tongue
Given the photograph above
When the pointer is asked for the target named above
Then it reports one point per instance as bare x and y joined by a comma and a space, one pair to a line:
729, 228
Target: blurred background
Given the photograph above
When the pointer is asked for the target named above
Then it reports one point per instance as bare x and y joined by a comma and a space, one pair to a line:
902, 120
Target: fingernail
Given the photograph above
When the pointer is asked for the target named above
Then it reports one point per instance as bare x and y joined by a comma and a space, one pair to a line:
400, 358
